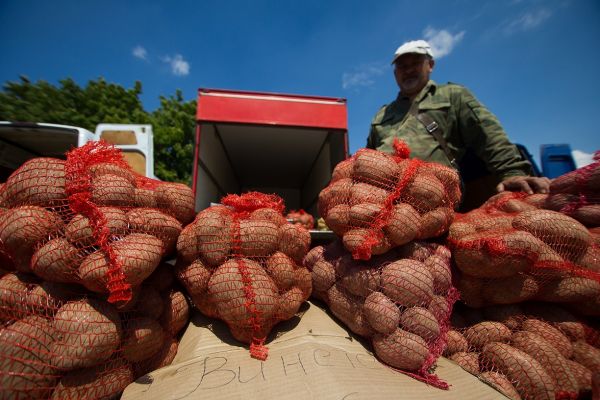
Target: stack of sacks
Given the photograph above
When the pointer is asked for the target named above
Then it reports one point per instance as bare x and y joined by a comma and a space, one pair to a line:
509, 251
241, 263
527, 351
86, 305
577, 194
401, 300
376, 201
302, 218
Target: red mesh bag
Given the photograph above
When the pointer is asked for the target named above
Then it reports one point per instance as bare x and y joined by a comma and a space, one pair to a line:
88, 306
240, 262
508, 251
302, 218
527, 351
377, 201
577, 194
401, 301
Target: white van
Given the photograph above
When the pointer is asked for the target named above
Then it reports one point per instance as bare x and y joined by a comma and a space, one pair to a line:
21, 141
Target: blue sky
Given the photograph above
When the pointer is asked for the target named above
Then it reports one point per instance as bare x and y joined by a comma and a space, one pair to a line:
534, 63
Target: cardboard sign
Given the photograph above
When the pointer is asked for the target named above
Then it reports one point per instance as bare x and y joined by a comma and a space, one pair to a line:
310, 357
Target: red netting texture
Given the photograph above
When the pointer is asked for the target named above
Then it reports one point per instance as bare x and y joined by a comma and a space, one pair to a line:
401, 301
509, 251
377, 201
528, 351
302, 218
241, 263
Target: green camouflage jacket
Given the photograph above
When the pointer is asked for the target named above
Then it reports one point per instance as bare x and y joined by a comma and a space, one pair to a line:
464, 121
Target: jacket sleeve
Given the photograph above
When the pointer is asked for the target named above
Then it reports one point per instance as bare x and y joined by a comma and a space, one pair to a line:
374, 139
482, 132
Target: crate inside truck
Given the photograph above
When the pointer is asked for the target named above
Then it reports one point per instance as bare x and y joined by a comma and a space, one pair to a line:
268, 142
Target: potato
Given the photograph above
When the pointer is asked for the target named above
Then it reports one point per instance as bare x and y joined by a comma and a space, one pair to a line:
425, 193
176, 312
467, 361
591, 259
79, 231
336, 193
588, 215
343, 169
24, 359
348, 308
470, 289
401, 349
163, 357
14, 289
554, 363
360, 281
294, 241
439, 268
39, 181
149, 304
381, 312
486, 332
281, 269
527, 375
587, 355
538, 200
112, 190
361, 192
323, 276
500, 383
449, 178
22, 228
376, 168
420, 321
550, 334
510, 290
268, 214
143, 338
104, 381
407, 282
460, 229
194, 277
558, 201
435, 222
403, 224
137, 255
364, 214
455, 343
88, 332
338, 219
156, 223
177, 200
289, 304
145, 198
416, 250
313, 255
57, 261
108, 168
566, 183
582, 375
515, 206
355, 239
258, 238
564, 234
440, 307
569, 289
304, 281
231, 286
209, 236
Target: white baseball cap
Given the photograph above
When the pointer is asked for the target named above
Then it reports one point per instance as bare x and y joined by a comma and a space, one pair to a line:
414, 46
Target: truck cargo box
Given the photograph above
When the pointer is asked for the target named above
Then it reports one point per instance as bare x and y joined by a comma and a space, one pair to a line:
273, 143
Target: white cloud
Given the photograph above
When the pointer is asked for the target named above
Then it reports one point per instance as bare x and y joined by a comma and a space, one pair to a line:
363, 76
527, 21
140, 52
581, 158
179, 66
442, 42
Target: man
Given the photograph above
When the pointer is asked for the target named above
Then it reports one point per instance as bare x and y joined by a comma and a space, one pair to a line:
447, 124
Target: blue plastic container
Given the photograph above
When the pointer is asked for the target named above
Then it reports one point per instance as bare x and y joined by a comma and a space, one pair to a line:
557, 159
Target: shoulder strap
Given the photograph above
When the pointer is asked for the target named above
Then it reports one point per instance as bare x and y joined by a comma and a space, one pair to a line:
434, 129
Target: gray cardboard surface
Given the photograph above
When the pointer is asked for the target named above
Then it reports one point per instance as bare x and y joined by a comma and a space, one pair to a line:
311, 357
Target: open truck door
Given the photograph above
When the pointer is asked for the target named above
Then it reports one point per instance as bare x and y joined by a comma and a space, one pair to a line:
267, 142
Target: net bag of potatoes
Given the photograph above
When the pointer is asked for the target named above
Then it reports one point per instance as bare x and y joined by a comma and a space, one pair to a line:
301, 217
401, 301
527, 351
507, 257
241, 263
376, 201
577, 194
83, 253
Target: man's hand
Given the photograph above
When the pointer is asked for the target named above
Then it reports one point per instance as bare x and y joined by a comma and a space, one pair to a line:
527, 184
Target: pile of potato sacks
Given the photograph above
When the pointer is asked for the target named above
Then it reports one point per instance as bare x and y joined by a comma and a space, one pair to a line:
241, 262
86, 303
381, 278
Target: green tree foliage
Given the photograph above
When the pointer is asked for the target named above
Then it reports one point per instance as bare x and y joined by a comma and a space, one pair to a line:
102, 102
